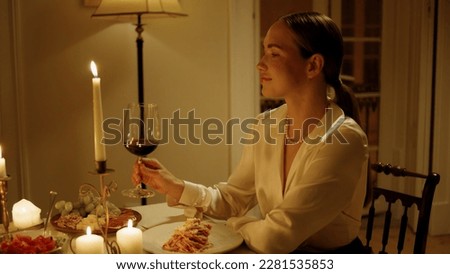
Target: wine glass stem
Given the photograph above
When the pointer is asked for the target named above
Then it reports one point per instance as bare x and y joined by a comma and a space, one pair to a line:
142, 185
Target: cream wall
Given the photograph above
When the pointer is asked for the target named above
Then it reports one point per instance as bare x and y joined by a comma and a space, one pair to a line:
186, 67
9, 137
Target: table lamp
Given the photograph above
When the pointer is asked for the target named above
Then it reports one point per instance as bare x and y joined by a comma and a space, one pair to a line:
136, 11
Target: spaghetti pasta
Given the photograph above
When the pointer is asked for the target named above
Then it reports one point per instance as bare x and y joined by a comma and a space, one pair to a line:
191, 237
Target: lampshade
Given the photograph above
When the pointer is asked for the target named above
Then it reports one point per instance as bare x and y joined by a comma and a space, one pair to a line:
128, 10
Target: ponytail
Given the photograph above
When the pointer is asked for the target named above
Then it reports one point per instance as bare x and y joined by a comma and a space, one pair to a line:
346, 100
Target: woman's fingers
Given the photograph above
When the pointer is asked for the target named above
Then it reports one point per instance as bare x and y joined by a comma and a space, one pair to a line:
151, 163
155, 175
152, 177
136, 178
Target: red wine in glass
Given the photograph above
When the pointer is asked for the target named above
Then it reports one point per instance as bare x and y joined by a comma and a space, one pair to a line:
141, 132
141, 148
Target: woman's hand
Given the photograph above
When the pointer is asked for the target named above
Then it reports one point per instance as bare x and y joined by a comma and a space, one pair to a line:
154, 174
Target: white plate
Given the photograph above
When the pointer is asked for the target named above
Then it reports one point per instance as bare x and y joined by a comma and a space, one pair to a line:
221, 237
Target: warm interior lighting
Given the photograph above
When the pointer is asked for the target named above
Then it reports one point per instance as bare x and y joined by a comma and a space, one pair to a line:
128, 10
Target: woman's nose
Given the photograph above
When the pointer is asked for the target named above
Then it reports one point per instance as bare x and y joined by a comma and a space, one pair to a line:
261, 66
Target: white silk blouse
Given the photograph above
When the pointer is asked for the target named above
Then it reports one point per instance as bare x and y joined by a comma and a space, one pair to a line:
321, 206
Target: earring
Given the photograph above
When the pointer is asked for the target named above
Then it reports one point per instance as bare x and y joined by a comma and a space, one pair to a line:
331, 93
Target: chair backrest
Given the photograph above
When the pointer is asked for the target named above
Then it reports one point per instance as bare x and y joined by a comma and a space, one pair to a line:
423, 203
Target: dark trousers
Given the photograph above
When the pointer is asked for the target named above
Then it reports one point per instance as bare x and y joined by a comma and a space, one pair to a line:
355, 247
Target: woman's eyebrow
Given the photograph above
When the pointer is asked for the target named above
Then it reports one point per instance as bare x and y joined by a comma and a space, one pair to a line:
273, 45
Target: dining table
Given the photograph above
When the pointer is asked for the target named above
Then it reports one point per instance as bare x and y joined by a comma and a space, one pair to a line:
160, 217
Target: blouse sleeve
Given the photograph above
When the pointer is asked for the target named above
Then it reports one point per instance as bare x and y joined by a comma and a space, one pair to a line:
326, 189
232, 198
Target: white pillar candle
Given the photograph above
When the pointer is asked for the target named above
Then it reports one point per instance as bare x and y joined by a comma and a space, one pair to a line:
100, 153
25, 214
130, 239
89, 243
3, 173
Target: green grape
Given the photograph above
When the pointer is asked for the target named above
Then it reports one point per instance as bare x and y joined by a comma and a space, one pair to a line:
88, 208
64, 212
60, 205
100, 210
96, 200
87, 199
68, 206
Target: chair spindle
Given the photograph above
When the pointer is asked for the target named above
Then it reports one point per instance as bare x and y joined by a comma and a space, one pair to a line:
370, 224
402, 232
387, 225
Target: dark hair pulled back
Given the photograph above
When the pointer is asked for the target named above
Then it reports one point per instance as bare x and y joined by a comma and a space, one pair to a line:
318, 34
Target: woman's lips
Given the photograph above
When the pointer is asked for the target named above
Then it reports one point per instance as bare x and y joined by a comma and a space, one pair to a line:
265, 79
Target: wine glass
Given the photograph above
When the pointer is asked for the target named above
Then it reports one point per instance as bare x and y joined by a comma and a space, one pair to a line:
141, 132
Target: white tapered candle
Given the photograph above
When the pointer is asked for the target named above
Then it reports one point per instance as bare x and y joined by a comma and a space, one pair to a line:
100, 153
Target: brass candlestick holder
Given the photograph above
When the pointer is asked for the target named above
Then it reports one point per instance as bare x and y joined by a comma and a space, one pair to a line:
103, 193
3, 201
100, 167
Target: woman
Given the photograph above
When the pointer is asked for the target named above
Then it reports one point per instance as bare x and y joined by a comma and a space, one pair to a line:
310, 184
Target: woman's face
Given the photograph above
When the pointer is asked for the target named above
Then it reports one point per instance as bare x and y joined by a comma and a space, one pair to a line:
282, 69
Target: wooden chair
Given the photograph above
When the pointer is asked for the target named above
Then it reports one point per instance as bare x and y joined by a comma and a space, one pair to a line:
423, 203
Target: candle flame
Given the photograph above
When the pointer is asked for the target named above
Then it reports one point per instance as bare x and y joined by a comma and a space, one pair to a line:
130, 223
88, 230
94, 69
